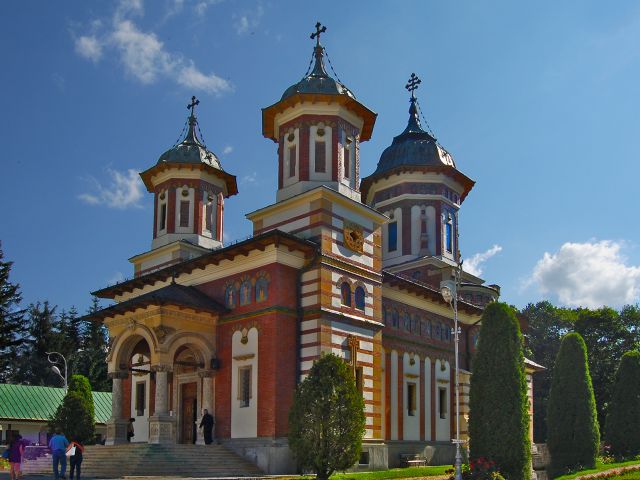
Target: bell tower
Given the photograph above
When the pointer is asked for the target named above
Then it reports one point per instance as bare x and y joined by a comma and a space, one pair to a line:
189, 187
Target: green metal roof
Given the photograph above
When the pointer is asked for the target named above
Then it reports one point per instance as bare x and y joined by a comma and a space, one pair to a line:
26, 402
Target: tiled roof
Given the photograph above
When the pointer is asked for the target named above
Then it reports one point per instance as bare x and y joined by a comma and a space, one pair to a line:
26, 402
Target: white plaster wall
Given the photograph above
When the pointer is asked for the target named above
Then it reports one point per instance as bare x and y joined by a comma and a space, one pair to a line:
411, 423
141, 425
30, 431
189, 198
393, 385
214, 215
286, 179
326, 138
244, 420
427, 398
443, 425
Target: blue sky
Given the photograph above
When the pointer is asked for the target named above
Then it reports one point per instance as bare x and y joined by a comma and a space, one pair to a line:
538, 102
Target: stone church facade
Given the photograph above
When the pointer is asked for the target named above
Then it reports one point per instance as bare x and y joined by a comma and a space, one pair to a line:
336, 264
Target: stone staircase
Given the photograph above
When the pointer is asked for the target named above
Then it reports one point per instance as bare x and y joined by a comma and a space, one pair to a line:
144, 460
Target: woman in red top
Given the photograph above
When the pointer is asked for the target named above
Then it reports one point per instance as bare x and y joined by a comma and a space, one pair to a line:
75, 460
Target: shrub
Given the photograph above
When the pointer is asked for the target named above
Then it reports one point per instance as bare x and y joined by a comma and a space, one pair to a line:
622, 430
499, 416
327, 421
572, 425
75, 415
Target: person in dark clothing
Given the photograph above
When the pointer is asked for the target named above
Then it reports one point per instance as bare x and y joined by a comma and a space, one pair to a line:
16, 450
206, 424
130, 431
75, 460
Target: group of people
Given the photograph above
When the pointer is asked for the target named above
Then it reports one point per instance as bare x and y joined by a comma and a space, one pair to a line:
60, 447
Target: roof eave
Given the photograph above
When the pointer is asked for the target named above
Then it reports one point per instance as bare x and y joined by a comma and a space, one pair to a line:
230, 180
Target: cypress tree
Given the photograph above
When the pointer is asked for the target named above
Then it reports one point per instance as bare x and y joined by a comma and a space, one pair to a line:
499, 417
572, 425
326, 420
623, 418
75, 415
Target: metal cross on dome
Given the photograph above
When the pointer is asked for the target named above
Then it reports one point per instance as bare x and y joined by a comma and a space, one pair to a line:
319, 29
192, 105
412, 84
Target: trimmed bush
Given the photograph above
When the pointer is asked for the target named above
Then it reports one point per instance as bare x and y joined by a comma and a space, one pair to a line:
572, 424
326, 420
75, 416
622, 430
499, 413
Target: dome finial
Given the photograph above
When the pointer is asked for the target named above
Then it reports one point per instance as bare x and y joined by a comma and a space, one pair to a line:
414, 119
318, 69
192, 137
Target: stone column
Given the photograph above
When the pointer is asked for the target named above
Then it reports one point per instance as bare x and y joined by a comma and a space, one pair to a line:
162, 426
117, 426
206, 401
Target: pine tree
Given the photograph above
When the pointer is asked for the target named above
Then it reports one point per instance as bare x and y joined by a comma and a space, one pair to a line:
623, 418
11, 321
326, 420
93, 360
75, 415
499, 417
572, 426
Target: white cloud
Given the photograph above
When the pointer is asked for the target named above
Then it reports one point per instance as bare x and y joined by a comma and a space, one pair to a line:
123, 191
201, 7
227, 150
473, 265
248, 22
89, 47
117, 277
191, 77
251, 178
590, 274
143, 54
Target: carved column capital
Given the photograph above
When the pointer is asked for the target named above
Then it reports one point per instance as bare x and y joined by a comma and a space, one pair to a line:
120, 374
206, 373
162, 367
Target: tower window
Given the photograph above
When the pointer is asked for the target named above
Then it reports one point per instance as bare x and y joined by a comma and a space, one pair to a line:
321, 157
359, 298
244, 386
163, 216
347, 162
292, 161
448, 236
392, 237
359, 379
442, 402
345, 294
411, 399
184, 213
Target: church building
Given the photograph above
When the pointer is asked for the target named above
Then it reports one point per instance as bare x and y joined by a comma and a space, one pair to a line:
339, 263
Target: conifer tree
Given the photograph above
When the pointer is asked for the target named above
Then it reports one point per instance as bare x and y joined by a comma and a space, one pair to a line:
93, 363
499, 417
11, 321
75, 415
326, 420
572, 426
623, 418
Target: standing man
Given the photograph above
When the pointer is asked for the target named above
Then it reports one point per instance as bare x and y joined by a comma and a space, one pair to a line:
58, 446
206, 424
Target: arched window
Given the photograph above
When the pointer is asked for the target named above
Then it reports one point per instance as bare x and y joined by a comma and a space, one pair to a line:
262, 289
245, 292
394, 318
359, 297
406, 320
345, 294
230, 297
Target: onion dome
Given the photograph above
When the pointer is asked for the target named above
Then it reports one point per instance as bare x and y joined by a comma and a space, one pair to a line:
317, 86
415, 149
191, 151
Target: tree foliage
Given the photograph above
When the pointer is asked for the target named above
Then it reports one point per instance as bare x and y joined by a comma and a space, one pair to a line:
623, 418
326, 420
11, 322
572, 427
75, 415
499, 417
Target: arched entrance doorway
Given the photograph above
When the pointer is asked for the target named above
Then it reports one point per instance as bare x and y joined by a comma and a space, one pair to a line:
140, 390
187, 362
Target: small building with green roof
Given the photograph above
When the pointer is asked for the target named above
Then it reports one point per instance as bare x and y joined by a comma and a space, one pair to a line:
26, 409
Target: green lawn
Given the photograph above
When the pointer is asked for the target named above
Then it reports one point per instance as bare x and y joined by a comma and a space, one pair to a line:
601, 467
628, 476
393, 473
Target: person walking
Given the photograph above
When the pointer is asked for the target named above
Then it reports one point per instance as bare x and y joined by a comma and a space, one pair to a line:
207, 424
16, 450
58, 446
130, 430
75, 460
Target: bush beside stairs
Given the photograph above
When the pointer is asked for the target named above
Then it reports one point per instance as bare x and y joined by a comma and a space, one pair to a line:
156, 460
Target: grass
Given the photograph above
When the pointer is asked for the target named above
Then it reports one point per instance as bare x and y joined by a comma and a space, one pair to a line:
628, 476
393, 473
600, 467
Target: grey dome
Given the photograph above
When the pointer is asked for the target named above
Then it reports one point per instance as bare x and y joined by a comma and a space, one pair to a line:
190, 150
413, 146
